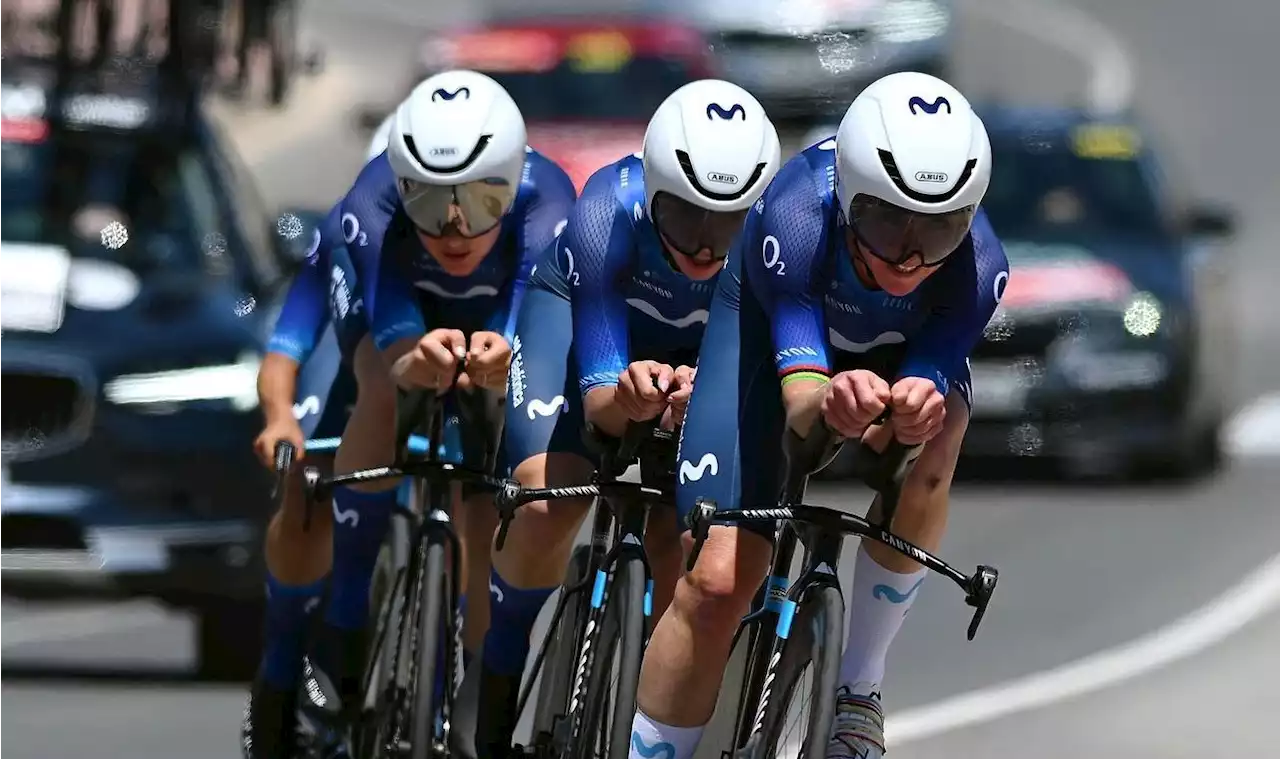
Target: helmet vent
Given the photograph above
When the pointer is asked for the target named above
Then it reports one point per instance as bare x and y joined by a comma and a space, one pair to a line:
686, 165
891, 168
447, 168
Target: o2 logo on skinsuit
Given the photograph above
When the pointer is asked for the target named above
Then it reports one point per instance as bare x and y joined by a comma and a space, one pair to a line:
690, 472
569, 273
1002, 281
772, 253
351, 231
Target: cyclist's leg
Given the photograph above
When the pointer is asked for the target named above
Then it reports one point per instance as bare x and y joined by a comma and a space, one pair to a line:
729, 451
362, 514
297, 563
543, 438
886, 583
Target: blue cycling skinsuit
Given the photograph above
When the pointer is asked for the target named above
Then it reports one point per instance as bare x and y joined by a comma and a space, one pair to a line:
319, 326
609, 275
790, 305
406, 294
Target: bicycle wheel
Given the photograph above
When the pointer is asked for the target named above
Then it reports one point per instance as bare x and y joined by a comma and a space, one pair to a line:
388, 608
555, 690
620, 629
815, 638
424, 738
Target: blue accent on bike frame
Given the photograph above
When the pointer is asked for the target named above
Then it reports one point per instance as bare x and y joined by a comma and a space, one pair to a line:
775, 594
417, 444
648, 598
651, 752
785, 615
597, 591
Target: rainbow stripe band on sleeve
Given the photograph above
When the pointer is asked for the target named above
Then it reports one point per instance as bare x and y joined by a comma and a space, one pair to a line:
811, 376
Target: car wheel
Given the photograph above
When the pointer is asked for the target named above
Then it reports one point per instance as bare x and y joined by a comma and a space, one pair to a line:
229, 639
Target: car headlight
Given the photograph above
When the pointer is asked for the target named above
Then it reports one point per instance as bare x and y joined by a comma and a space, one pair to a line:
236, 383
903, 21
1142, 315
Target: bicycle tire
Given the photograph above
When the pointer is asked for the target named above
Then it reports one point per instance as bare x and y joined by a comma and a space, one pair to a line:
389, 598
622, 623
816, 635
430, 626
556, 687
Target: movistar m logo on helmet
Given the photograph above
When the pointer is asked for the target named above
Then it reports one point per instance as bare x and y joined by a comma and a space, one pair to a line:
443, 94
715, 109
931, 108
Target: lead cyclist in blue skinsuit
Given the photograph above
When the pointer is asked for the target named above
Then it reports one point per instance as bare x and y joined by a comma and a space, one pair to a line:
622, 304
863, 278
305, 386
443, 229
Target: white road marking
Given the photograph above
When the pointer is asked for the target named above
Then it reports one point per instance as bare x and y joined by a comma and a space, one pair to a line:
1253, 598
1255, 430
1058, 25
46, 626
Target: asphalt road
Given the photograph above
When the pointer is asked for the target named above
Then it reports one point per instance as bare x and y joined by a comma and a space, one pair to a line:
1083, 568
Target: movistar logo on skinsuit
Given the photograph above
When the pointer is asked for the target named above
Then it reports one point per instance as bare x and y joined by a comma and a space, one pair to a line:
544, 408
690, 472
652, 752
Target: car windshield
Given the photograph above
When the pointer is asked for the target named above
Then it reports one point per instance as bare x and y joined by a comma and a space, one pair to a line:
630, 91
103, 194
1046, 189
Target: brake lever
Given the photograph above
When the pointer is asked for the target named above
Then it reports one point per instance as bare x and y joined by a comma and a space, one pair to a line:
506, 500
978, 595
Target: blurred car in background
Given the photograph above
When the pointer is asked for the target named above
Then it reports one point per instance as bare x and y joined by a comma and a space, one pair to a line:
586, 86
138, 264
810, 58
1113, 344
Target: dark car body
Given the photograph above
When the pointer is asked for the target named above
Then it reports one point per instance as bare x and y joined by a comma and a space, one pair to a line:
1113, 338
130, 359
1113, 341
586, 86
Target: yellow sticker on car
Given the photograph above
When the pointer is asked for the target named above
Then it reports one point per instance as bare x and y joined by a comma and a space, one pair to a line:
1114, 142
598, 52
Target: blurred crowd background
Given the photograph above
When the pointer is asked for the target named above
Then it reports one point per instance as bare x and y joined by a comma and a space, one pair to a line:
162, 159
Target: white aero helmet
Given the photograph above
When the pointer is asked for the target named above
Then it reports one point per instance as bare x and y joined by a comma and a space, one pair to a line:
379, 141
912, 164
709, 152
457, 147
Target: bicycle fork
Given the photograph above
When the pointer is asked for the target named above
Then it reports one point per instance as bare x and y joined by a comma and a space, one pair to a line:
630, 541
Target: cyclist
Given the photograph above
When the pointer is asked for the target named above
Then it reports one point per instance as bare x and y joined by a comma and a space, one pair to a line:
863, 277
443, 228
633, 271
305, 386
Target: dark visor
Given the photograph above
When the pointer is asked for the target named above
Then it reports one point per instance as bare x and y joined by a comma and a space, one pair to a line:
468, 210
690, 229
897, 236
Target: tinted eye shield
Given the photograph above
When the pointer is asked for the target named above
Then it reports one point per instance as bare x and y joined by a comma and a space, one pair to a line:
690, 229
469, 210
898, 236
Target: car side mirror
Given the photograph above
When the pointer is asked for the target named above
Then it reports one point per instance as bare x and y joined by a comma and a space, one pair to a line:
1207, 221
297, 232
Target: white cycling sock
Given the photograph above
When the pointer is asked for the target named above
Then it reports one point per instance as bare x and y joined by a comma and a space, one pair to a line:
879, 602
651, 739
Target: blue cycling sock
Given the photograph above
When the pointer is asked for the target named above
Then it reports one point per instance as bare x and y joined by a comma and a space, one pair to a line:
360, 522
288, 611
512, 614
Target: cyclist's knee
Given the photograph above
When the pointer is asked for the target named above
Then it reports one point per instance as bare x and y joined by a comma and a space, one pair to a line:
717, 593
542, 523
